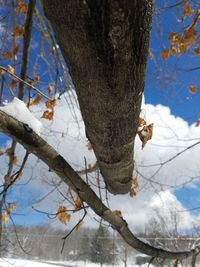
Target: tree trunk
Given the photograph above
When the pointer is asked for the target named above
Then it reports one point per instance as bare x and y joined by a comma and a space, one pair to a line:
106, 43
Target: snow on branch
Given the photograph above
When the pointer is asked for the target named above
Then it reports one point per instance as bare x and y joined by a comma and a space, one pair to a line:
18, 110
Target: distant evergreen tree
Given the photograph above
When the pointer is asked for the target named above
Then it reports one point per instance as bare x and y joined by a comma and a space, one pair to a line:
101, 250
84, 251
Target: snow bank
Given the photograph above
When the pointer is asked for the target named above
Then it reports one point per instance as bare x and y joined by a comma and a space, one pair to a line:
19, 111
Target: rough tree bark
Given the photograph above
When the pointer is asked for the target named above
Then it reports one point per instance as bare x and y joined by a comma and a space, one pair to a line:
105, 43
39, 147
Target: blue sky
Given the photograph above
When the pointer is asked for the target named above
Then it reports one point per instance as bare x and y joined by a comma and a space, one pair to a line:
168, 81
173, 92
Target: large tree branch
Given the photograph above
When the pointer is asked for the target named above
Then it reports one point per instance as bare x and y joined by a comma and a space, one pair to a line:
26, 45
40, 148
106, 44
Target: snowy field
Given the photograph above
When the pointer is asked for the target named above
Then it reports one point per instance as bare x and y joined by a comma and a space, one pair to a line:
5, 262
25, 263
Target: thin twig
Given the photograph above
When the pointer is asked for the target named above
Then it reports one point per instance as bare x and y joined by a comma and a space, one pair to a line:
18, 241
172, 158
28, 84
80, 221
54, 215
90, 170
26, 45
16, 175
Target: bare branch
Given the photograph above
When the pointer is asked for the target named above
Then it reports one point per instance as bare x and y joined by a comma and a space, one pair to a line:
28, 84
40, 148
26, 45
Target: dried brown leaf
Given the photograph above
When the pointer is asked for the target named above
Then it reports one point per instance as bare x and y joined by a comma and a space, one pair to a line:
77, 203
48, 115
192, 89
62, 214
18, 31
132, 192
7, 54
13, 84
165, 54
11, 69
78, 227
146, 134
21, 7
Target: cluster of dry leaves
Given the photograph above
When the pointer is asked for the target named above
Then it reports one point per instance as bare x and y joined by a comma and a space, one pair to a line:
6, 214
145, 131
63, 215
181, 42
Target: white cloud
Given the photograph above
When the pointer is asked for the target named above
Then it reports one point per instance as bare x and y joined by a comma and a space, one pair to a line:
171, 135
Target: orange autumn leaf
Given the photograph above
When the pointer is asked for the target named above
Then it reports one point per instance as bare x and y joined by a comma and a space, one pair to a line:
37, 100
132, 192
146, 134
197, 51
18, 31
50, 104
141, 122
174, 50
78, 227
13, 84
182, 48
50, 89
62, 214
31, 101
190, 36
192, 89
77, 204
187, 10
5, 218
172, 37
13, 206
11, 69
48, 115
165, 54
8, 210
2, 72
134, 182
21, 7
7, 54
15, 49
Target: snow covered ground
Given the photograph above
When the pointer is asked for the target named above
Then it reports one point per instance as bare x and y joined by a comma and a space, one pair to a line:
5, 262
26, 263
